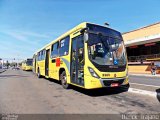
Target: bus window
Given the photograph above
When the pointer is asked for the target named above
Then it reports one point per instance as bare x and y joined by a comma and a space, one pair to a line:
54, 50
43, 54
64, 46
39, 56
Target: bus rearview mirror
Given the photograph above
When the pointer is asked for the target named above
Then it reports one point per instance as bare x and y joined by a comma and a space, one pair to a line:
85, 37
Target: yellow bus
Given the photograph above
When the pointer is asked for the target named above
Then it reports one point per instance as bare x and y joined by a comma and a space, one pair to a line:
88, 56
27, 65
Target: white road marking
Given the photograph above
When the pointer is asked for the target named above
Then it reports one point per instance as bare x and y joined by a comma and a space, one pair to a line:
145, 85
143, 92
143, 75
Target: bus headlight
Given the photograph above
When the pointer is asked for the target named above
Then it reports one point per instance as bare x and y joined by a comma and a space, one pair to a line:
93, 73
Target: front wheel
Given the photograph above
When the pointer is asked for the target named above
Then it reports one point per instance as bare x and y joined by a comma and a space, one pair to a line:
125, 87
63, 78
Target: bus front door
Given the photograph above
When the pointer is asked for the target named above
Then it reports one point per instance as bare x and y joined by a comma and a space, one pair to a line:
77, 61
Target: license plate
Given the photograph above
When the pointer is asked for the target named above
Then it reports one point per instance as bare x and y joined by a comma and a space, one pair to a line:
114, 85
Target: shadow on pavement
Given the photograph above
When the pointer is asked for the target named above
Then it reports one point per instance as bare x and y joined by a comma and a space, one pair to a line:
158, 94
27, 71
52, 80
95, 92
100, 91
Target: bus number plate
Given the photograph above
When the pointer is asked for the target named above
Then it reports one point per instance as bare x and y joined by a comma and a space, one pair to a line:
114, 85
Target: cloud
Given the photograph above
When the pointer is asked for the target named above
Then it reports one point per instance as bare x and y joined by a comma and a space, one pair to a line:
25, 37
24, 43
19, 42
16, 36
35, 34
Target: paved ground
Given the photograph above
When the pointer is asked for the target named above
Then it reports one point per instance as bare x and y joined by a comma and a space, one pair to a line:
22, 92
150, 83
2, 70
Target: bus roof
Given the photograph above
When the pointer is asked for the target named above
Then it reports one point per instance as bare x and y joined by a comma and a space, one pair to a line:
78, 27
75, 29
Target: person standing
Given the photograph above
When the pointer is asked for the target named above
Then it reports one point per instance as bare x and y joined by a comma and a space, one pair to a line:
153, 69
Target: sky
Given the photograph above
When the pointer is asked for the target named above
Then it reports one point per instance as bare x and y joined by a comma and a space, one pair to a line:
28, 25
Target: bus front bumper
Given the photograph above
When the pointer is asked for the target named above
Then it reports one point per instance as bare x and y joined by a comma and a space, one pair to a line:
106, 82
114, 81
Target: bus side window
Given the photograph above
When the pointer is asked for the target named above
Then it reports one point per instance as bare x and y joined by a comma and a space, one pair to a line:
39, 55
64, 46
44, 52
54, 50
42, 55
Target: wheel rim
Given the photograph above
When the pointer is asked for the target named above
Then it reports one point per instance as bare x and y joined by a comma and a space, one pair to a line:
64, 80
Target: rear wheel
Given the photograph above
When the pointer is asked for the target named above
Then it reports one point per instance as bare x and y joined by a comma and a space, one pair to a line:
38, 73
63, 78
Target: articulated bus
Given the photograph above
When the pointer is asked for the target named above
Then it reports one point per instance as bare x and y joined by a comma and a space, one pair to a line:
88, 56
27, 64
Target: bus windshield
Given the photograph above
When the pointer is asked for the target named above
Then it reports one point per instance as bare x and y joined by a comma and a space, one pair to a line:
29, 62
106, 50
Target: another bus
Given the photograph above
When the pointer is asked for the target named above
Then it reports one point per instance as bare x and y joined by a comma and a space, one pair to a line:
27, 65
88, 56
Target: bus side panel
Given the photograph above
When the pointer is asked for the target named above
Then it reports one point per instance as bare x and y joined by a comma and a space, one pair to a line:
41, 65
65, 64
52, 68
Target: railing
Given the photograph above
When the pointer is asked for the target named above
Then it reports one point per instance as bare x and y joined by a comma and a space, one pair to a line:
142, 57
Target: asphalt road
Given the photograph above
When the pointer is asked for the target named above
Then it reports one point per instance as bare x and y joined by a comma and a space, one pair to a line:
2, 70
145, 82
155, 81
22, 92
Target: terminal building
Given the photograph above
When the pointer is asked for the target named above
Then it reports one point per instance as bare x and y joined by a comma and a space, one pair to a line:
143, 48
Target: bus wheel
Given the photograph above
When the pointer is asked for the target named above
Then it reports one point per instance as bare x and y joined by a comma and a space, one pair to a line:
63, 79
125, 87
38, 74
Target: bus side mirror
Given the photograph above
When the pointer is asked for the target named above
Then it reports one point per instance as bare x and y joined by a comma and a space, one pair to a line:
84, 31
85, 37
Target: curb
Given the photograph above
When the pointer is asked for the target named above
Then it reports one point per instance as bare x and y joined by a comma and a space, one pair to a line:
143, 92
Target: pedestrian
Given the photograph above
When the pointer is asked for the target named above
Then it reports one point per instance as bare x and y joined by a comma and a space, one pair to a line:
153, 69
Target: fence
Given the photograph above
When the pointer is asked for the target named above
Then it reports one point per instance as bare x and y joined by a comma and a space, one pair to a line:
142, 58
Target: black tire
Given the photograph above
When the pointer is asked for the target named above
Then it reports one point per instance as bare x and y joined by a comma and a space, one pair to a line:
125, 87
63, 79
38, 73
